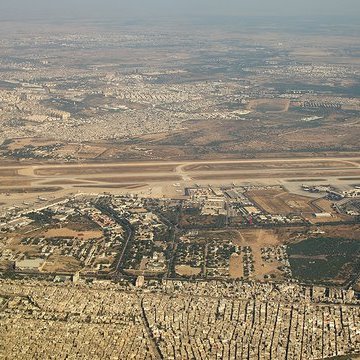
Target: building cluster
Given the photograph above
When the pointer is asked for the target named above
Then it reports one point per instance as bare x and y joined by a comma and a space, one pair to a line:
344, 202
177, 320
72, 104
58, 321
233, 201
235, 329
309, 72
126, 105
52, 232
102, 233
149, 235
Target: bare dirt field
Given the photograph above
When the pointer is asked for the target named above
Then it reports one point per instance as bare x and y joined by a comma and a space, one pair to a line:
22, 142
185, 270
56, 263
325, 205
256, 239
14, 190
65, 182
351, 178
298, 174
236, 269
118, 186
16, 246
14, 182
65, 232
343, 231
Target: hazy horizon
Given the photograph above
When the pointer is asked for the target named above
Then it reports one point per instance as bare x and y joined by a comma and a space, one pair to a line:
136, 9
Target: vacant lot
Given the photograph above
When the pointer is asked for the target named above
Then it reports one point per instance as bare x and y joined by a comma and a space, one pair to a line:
65, 232
56, 263
257, 239
186, 270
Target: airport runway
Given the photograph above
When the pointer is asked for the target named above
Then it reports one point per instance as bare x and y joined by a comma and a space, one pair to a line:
168, 178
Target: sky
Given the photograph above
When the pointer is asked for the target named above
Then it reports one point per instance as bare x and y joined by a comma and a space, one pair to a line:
132, 9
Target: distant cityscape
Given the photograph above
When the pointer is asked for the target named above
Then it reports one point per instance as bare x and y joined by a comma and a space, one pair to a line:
174, 192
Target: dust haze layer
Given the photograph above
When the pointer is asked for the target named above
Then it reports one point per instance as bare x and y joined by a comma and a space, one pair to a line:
124, 9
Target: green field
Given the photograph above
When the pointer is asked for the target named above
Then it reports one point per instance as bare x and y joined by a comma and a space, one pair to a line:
324, 259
